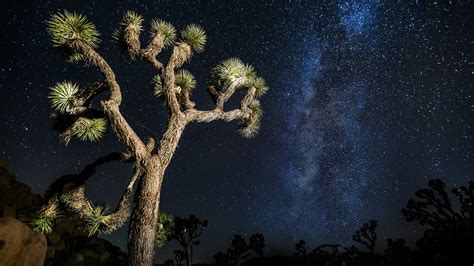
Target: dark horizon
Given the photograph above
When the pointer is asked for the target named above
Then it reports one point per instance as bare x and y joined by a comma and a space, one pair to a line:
368, 100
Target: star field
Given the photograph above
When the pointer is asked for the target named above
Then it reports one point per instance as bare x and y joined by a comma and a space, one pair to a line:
367, 101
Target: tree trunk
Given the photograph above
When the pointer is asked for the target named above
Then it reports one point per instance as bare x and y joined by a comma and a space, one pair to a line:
189, 256
142, 230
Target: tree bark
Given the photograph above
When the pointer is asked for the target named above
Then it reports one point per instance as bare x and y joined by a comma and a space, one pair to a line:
189, 256
142, 229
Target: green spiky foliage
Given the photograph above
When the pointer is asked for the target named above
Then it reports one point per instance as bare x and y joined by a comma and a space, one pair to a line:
194, 36
185, 80
132, 19
64, 27
62, 96
74, 57
260, 85
44, 221
165, 229
157, 84
90, 129
43, 225
251, 126
232, 69
94, 217
164, 28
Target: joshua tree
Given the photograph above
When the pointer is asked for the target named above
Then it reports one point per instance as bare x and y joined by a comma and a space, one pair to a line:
179, 256
300, 247
434, 208
257, 243
240, 251
367, 235
77, 39
186, 231
451, 232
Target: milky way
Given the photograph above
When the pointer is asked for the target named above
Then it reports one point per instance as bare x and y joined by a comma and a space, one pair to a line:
334, 164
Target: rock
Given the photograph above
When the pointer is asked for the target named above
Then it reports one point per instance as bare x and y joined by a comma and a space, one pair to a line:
19, 245
82, 251
16, 199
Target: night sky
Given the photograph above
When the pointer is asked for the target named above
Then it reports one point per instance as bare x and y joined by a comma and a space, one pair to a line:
367, 101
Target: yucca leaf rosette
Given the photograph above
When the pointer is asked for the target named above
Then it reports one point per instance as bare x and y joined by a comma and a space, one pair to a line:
164, 28
185, 80
194, 36
64, 27
157, 85
62, 96
250, 127
90, 129
164, 230
94, 217
44, 221
132, 19
260, 85
233, 70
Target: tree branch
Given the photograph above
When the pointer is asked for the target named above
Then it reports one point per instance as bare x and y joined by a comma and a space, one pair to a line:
111, 106
194, 115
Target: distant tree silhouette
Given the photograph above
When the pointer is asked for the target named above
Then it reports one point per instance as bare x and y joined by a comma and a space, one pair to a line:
451, 233
300, 247
179, 256
367, 235
168, 263
186, 232
240, 250
257, 243
397, 253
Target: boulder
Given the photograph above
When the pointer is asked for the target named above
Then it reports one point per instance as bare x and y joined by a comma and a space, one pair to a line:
16, 199
19, 245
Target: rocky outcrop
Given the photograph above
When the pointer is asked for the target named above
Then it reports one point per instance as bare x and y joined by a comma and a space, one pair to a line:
16, 199
81, 251
19, 245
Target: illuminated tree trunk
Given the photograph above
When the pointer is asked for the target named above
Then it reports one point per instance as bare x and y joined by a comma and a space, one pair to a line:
142, 229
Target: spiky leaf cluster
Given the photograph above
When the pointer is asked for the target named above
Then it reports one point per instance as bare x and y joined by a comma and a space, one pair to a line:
74, 57
231, 70
164, 28
157, 84
44, 221
251, 126
62, 96
94, 217
194, 36
132, 19
90, 129
165, 229
42, 224
260, 85
64, 27
185, 80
